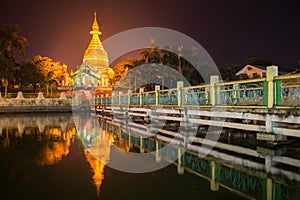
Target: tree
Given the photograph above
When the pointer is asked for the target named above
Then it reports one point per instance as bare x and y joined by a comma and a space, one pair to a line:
150, 56
28, 74
10, 42
49, 67
229, 71
258, 61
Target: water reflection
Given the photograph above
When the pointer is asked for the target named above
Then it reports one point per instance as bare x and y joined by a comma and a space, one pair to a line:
97, 144
258, 174
42, 153
42, 140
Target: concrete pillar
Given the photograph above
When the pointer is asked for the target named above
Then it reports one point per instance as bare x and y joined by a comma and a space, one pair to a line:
142, 150
141, 96
179, 93
101, 99
106, 99
129, 92
157, 152
157, 88
120, 135
269, 124
236, 93
148, 119
112, 98
129, 140
214, 92
207, 95
20, 95
268, 163
272, 71
180, 166
213, 185
269, 189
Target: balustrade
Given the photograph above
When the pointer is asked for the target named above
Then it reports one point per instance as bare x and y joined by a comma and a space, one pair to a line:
269, 92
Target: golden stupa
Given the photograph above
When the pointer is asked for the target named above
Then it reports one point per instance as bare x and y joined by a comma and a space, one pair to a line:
95, 55
94, 70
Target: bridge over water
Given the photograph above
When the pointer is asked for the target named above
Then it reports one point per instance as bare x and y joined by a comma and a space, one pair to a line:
269, 106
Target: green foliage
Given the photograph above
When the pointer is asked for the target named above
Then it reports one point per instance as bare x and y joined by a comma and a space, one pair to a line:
28, 74
10, 42
229, 71
258, 61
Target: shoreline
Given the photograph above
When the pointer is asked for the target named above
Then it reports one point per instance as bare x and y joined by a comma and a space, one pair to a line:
35, 109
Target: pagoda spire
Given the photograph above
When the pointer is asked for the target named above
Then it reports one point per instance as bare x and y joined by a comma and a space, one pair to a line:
95, 55
95, 26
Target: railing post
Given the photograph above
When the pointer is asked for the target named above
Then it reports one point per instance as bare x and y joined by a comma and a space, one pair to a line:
272, 71
106, 99
157, 88
141, 96
101, 99
214, 92
207, 96
236, 93
112, 98
180, 166
129, 92
157, 151
179, 93
214, 186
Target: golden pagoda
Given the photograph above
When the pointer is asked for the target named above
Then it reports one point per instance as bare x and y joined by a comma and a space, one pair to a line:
95, 55
94, 70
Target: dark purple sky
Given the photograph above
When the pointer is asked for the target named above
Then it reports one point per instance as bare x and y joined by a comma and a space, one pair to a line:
230, 31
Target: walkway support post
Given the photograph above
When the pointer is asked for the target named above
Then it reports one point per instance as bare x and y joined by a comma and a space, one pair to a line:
106, 99
214, 94
157, 151
129, 92
101, 99
272, 71
214, 186
141, 96
112, 98
157, 88
179, 93
180, 166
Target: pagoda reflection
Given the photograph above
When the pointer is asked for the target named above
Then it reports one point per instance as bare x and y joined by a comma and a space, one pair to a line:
97, 146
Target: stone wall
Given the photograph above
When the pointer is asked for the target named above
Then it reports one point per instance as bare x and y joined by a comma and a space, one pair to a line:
40, 100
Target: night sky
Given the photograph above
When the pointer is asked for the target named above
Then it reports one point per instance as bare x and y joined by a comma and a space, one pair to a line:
230, 31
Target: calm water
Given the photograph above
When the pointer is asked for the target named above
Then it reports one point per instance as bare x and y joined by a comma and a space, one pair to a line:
42, 157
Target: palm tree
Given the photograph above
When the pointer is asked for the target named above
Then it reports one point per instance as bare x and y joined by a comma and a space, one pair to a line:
10, 41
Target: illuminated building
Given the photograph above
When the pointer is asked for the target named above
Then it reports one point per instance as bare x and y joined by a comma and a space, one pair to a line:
94, 70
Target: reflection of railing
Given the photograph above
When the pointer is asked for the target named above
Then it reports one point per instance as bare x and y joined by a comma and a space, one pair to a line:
261, 92
244, 176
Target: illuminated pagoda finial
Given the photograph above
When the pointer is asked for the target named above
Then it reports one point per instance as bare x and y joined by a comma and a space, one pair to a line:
95, 55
